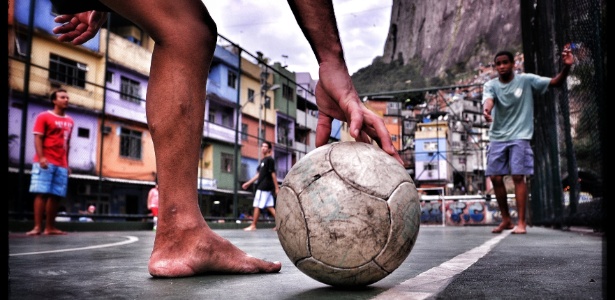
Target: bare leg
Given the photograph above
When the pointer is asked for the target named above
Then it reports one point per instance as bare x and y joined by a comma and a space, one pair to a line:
255, 216
185, 37
51, 212
521, 200
500, 194
39, 210
272, 212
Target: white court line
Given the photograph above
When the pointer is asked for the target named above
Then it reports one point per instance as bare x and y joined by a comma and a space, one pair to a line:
131, 239
434, 280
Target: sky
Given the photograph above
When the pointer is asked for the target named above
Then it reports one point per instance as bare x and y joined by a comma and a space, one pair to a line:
270, 27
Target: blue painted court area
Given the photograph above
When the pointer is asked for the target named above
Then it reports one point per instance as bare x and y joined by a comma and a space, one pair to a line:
461, 262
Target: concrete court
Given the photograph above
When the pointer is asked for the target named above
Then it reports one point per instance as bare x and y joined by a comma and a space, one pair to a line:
446, 263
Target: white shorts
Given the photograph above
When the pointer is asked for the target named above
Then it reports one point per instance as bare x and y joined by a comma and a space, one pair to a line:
263, 199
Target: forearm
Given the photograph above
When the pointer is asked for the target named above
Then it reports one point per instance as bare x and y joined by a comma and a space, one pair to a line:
38, 146
316, 18
560, 78
274, 177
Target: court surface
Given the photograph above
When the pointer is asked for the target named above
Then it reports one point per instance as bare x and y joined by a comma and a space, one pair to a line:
446, 263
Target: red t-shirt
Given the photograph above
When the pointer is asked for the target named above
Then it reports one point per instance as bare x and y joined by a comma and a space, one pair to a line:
56, 131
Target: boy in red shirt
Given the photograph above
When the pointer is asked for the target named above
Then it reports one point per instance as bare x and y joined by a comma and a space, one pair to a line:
52, 131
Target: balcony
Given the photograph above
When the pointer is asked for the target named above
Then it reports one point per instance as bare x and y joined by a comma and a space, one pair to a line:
306, 120
218, 132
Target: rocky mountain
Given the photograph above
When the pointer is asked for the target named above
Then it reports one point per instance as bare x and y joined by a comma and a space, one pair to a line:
436, 42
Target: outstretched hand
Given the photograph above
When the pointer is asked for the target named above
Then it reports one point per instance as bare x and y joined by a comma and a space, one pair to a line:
567, 57
79, 28
337, 98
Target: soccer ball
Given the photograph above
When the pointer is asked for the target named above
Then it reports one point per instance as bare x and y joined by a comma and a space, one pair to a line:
347, 214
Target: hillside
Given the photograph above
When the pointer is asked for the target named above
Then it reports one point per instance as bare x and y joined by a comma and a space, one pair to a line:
438, 43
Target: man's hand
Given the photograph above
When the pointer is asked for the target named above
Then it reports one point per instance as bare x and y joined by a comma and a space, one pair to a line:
487, 115
79, 28
337, 98
42, 161
488, 107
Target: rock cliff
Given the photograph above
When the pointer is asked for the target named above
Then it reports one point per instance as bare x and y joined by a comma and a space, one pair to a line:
447, 35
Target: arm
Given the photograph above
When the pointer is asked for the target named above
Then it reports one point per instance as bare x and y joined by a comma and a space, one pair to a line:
487, 108
274, 177
336, 96
38, 147
568, 60
67, 153
249, 182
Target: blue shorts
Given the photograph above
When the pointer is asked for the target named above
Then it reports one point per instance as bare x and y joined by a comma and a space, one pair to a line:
263, 199
510, 158
52, 180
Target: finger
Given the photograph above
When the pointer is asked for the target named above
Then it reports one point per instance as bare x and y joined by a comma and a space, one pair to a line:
64, 28
382, 135
356, 121
323, 129
63, 18
363, 137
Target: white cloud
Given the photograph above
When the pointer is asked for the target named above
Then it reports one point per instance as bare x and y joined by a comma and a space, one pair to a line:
270, 27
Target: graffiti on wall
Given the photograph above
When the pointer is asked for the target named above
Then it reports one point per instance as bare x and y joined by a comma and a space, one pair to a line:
464, 212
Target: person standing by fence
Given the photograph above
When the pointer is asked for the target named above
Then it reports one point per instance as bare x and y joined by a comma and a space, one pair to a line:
509, 103
52, 131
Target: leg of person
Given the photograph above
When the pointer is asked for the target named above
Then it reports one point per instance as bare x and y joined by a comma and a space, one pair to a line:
521, 200
59, 183
39, 210
271, 211
258, 205
40, 184
255, 216
185, 39
500, 194
522, 165
51, 211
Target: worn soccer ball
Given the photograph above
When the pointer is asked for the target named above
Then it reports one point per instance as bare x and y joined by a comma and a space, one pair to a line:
347, 214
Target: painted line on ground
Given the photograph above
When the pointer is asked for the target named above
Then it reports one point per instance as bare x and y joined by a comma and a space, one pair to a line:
130, 239
429, 283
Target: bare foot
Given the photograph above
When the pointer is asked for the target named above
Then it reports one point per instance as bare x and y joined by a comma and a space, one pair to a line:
199, 250
519, 229
54, 232
34, 231
250, 228
503, 226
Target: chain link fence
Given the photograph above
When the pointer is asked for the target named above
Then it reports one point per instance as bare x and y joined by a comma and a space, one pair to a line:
567, 185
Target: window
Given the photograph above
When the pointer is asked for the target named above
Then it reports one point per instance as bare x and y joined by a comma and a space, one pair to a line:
251, 95
227, 162
227, 118
130, 143
212, 116
267, 103
430, 166
83, 132
109, 77
430, 146
232, 80
287, 92
67, 71
130, 90
261, 135
244, 131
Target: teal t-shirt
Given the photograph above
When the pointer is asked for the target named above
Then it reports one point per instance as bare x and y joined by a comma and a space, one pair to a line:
513, 110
